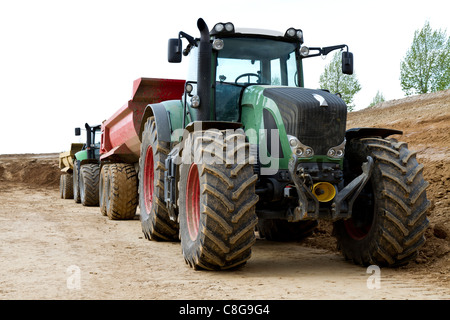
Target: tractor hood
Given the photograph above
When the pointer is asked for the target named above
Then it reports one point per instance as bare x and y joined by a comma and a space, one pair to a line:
316, 117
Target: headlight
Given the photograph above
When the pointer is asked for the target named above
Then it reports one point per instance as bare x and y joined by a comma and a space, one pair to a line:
299, 148
294, 33
338, 151
219, 27
229, 27
195, 101
217, 44
222, 28
291, 32
304, 51
189, 88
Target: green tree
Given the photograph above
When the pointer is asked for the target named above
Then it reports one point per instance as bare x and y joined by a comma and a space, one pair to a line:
426, 66
377, 99
335, 81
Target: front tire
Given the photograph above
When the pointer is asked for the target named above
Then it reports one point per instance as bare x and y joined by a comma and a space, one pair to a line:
154, 215
389, 216
216, 202
89, 189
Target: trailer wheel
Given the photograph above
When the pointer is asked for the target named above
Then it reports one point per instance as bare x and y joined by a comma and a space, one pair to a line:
102, 188
66, 186
282, 230
76, 186
121, 191
389, 217
216, 201
89, 178
155, 220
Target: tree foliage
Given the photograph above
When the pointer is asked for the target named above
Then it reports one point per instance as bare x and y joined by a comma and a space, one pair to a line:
379, 97
426, 66
335, 81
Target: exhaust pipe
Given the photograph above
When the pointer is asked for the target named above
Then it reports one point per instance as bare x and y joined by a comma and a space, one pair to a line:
204, 73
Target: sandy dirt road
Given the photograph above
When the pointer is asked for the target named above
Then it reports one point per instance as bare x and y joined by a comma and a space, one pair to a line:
56, 249
52, 248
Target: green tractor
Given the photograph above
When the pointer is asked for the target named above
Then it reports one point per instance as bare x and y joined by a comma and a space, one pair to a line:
248, 148
86, 168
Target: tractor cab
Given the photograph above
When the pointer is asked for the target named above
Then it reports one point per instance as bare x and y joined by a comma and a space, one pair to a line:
237, 58
91, 148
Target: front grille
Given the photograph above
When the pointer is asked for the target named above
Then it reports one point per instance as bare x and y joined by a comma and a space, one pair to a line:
320, 127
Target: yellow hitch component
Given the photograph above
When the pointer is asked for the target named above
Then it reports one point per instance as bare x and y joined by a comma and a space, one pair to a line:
324, 191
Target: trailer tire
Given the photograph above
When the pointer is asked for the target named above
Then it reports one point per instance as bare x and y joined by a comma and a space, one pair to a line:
61, 186
216, 201
283, 230
89, 178
66, 186
155, 220
102, 188
389, 216
121, 190
76, 185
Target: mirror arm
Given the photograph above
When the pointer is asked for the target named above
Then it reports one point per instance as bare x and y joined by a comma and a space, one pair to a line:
325, 50
190, 39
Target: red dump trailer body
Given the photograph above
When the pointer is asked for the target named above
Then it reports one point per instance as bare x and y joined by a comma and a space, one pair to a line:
120, 133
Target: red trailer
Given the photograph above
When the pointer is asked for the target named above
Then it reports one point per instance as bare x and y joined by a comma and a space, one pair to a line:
120, 145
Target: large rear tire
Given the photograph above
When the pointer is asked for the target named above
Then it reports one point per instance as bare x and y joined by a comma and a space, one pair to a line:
216, 201
102, 188
389, 217
76, 185
121, 190
66, 186
89, 190
155, 220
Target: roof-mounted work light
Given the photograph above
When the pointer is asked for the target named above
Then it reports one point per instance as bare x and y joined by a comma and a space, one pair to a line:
222, 28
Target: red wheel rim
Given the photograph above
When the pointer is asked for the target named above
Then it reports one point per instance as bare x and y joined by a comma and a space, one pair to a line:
149, 176
193, 202
356, 233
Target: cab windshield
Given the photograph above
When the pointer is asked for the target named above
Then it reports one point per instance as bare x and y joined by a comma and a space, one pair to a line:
264, 61
246, 61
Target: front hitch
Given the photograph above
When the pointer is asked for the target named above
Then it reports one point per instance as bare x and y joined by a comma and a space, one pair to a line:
341, 207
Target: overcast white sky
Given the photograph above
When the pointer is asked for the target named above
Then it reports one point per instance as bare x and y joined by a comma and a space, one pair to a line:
64, 63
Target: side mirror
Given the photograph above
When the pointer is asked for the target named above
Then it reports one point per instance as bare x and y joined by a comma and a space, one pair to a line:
77, 131
174, 50
347, 62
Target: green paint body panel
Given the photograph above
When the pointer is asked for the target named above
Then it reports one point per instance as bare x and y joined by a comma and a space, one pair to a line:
81, 155
174, 110
253, 105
